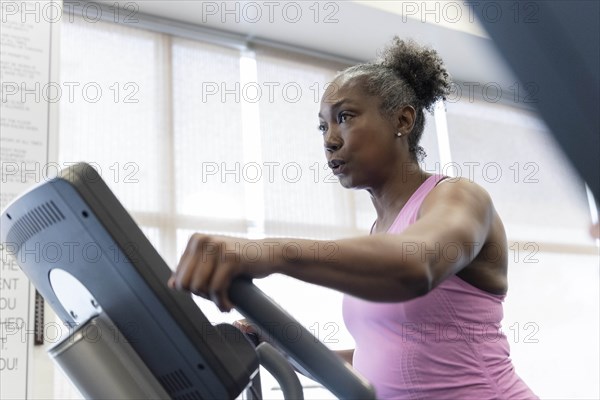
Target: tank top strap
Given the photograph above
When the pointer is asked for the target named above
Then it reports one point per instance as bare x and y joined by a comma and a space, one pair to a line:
408, 214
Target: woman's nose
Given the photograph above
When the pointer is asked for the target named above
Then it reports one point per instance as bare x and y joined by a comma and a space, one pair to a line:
333, 141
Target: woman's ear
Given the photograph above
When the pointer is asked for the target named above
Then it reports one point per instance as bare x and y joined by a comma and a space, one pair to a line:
405, 119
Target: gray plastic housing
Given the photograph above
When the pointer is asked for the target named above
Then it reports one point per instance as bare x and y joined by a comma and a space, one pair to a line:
103, 366
74, 224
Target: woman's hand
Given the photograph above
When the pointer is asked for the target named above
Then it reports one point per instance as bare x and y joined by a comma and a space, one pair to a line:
210, 263
250, 330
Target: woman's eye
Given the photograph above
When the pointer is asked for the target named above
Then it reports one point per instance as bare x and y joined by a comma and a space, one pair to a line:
343, 117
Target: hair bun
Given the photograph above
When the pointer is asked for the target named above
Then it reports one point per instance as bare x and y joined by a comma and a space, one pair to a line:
420, 67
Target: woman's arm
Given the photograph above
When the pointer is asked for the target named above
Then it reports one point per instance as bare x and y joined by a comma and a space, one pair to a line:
346, 355
453, 226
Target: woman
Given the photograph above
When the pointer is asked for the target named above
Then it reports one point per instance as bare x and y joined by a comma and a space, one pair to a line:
424, 291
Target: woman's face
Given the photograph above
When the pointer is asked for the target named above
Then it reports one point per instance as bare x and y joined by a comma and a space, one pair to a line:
361, 145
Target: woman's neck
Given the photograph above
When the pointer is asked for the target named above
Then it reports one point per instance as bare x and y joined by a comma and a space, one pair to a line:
391, 197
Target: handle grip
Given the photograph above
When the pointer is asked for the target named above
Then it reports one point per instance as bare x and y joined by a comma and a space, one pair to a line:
311, 355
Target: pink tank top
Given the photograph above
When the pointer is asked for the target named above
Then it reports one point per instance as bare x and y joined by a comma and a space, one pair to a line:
445, 345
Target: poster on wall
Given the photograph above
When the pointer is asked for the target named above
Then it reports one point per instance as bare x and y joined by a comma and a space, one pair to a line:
27, 121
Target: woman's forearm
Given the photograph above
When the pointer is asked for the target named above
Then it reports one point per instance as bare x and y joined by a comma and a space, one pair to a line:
373, 267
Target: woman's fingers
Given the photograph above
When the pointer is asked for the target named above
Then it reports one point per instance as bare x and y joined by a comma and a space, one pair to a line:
210, 263
203, 271
191, 264
195, 266
207, 268
206, 263
219, 286
174, 282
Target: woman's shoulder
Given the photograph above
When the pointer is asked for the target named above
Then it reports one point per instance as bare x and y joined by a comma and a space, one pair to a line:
458, 189
460, 199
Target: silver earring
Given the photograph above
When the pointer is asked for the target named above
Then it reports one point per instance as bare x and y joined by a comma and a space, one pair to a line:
399, 134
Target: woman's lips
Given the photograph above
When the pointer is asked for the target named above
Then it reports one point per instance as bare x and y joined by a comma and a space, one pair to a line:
337, 166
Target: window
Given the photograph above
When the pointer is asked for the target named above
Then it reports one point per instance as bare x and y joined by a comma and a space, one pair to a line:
510, 153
